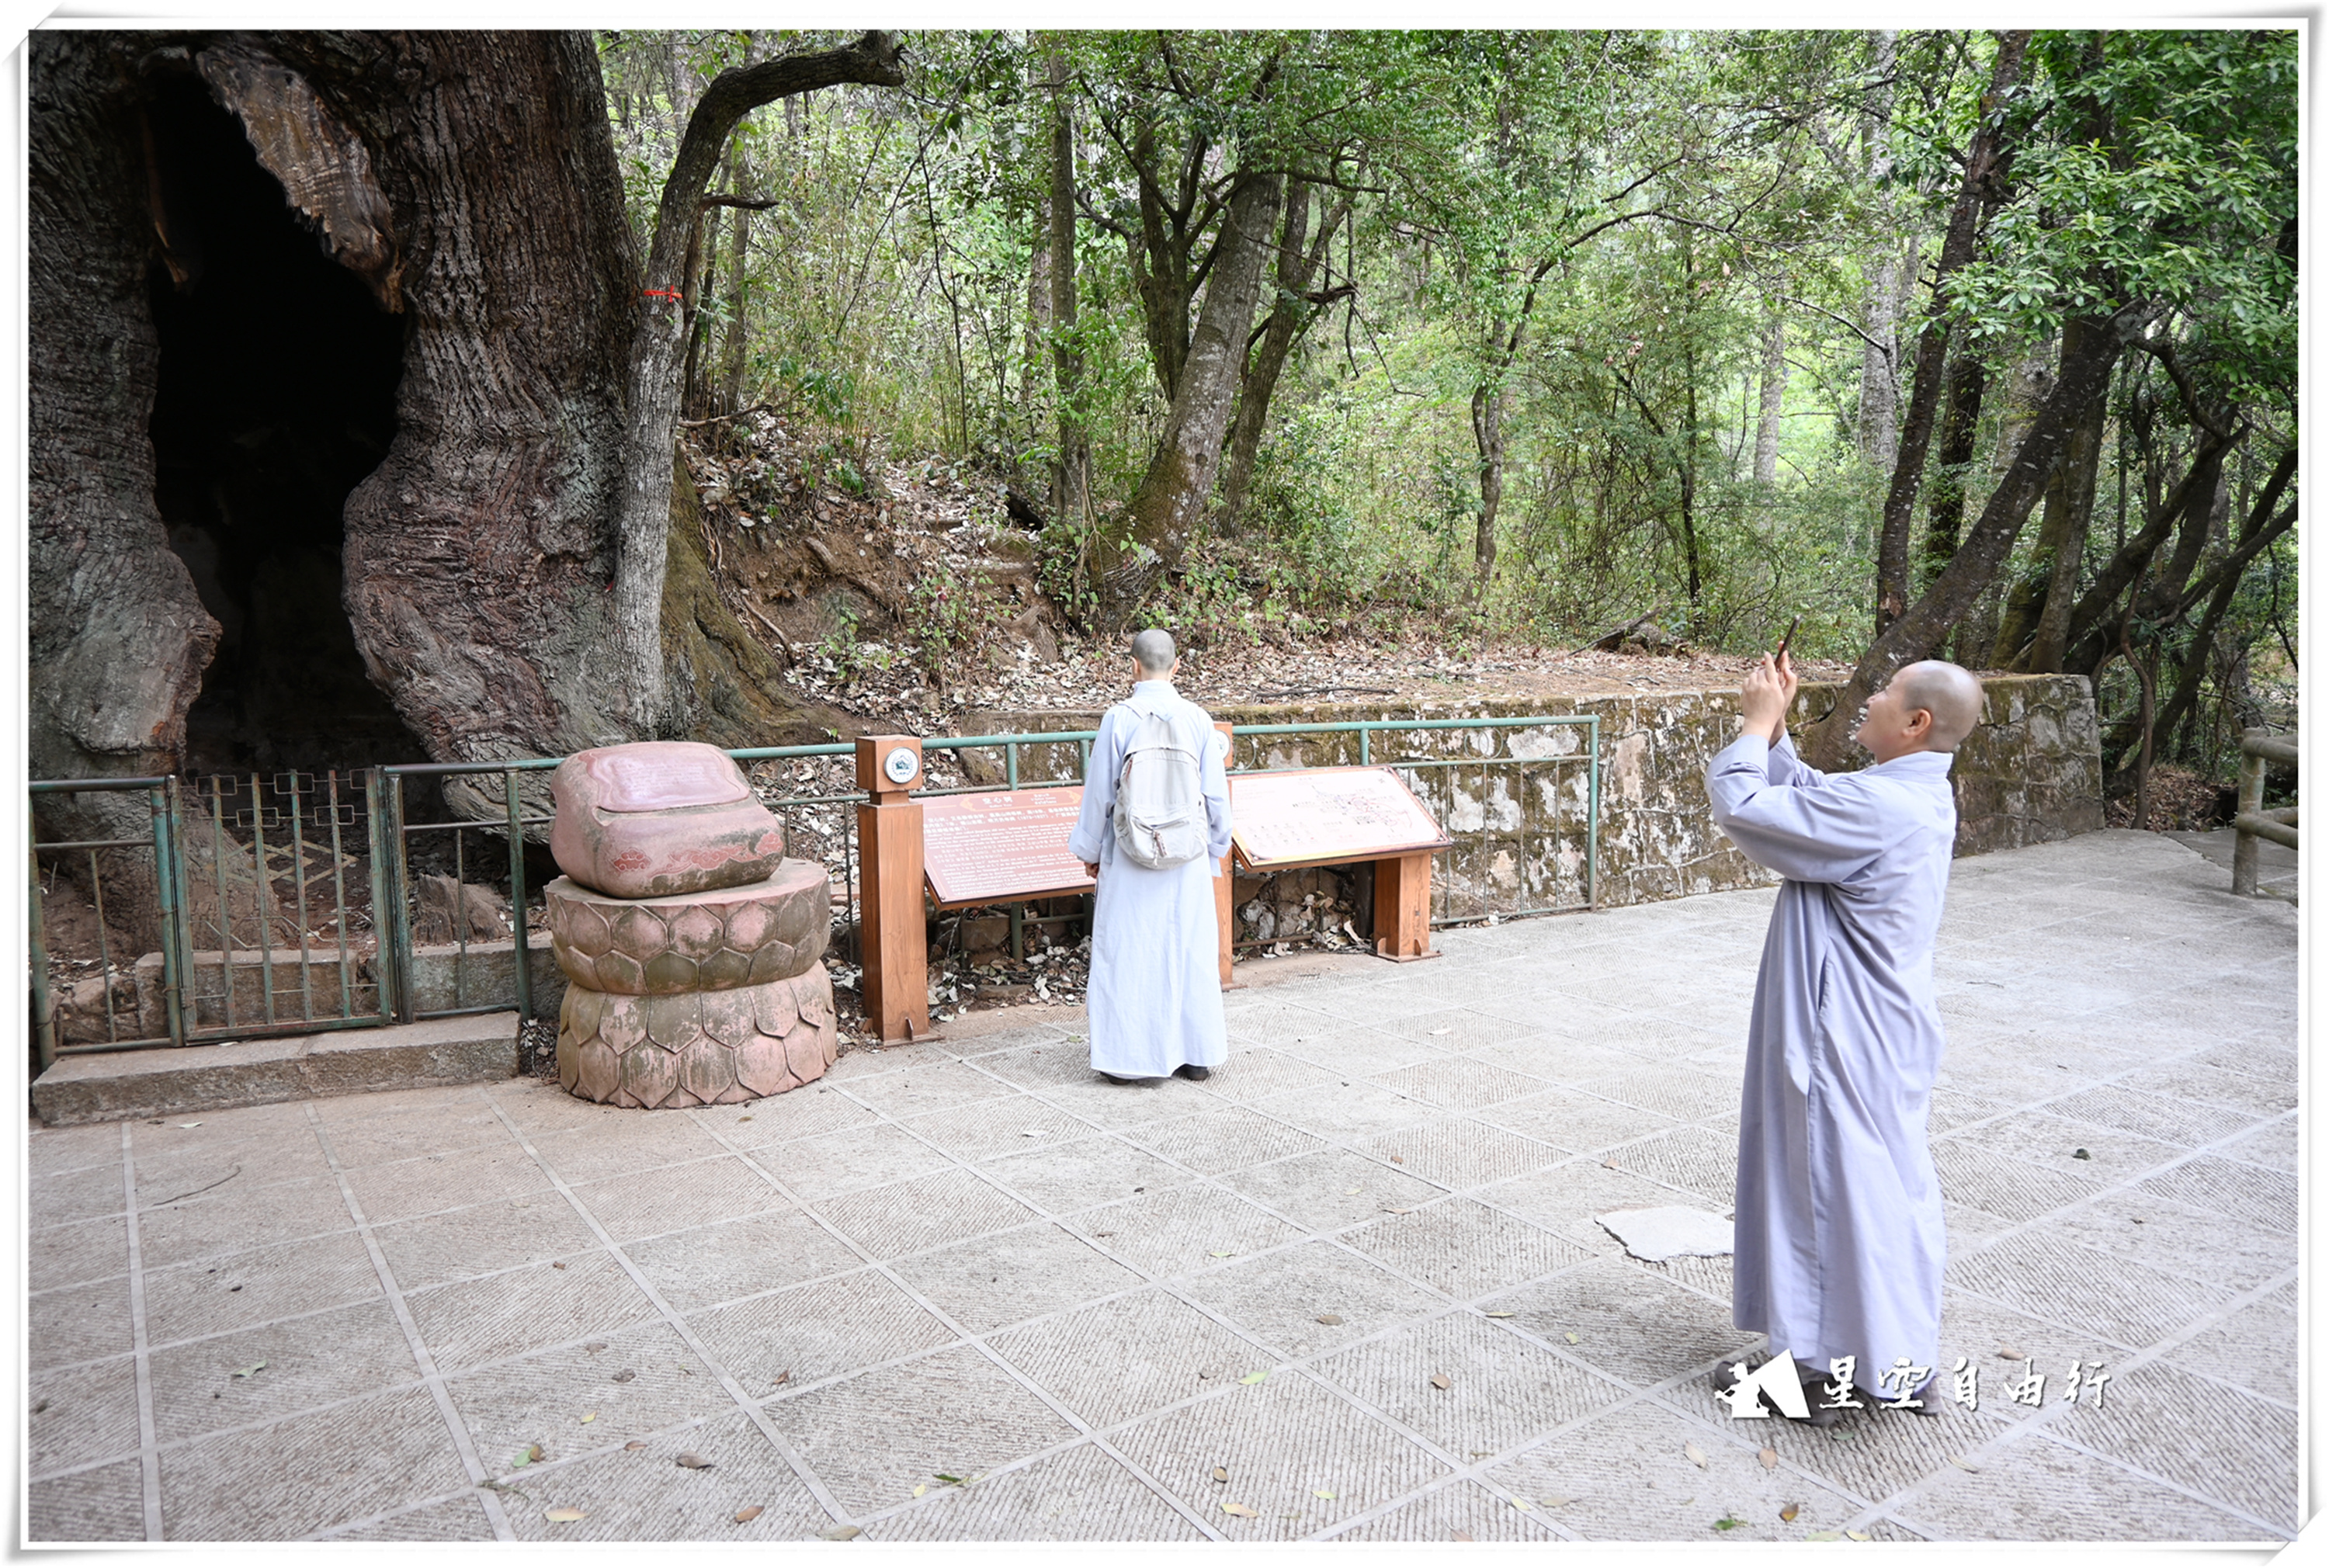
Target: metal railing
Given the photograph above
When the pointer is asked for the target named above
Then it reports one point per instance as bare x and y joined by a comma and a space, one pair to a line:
2258, 748
300, 937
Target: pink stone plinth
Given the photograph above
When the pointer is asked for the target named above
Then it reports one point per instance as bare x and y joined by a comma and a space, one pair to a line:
768, 930
660, 817
712, 1047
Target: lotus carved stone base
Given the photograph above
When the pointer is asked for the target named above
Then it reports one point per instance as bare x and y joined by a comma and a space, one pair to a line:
708, 1048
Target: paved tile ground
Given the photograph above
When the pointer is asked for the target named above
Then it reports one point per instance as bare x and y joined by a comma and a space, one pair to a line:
348, 1319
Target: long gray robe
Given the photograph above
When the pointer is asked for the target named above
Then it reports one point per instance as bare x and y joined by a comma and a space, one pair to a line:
1154, 1001
1839, 1245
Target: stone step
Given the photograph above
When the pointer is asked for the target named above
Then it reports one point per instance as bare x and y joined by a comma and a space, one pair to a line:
117, 1085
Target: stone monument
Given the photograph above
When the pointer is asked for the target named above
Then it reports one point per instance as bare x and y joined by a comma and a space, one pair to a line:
692, 946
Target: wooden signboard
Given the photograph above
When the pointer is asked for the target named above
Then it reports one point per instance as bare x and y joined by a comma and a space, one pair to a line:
1318, 816
994, 847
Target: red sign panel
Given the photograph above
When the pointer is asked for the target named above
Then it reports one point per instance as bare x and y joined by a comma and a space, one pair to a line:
996, 846
1317, 816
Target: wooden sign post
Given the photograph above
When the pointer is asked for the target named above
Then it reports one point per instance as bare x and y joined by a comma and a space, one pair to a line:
894, 943
1327, 816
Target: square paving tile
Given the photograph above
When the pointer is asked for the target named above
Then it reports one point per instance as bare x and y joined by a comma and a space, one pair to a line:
215, 1224
739, 1257
483, 1319
648, 1203
2055, 1141
89, 1192
1222, 1139
2249, 1192
542, 1398
1181, 1230
1575, 1122
1116, 1359
1009, 1277
1303, 1458
1460, 1082
1280, 1298
1682, 1093
1063, 1178
2161, 1234
1459, 1153
2190, 1079
382, 1140
912, 1091
278, 1369
358, 1458
452, 1519
1459, 1511
1347, 1110
1624, 1475
1257, 1072
1463, 1248
929, 1211
645, 1495
78, 1253
823, 1330
2170, 1118
1457, 1029
2255, 1349
1698, 1162
582, 1155
2012, 1189
107, 1504
197, 1300
435, 1182
1633, 1327
2220, 1442
80, 1416
1332, 1189
992, 1129
2117, 1299
484, 1238
1353, 1051
831, 1163
1080, 1494
805, 1113
1558, 1059
1565, 1198
2037, 1489
1503, 1392
873, 1439
54, 1150
2272, 1146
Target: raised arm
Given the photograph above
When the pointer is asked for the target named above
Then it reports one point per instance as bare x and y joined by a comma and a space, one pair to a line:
1820, 830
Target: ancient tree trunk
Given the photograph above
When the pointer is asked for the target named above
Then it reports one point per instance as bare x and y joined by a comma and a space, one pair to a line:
1071, 476
740, 242
1488, 439
1932, 342
1165, 511
652, 423
1945, 514
1775, 399
468, 182
1879, 375
1294, 306
2036, 623
1914, 636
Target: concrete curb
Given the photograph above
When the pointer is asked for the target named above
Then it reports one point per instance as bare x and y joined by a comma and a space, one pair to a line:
115, 1086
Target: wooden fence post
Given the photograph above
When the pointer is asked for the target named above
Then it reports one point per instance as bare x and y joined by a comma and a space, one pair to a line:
1403, 906
893, 940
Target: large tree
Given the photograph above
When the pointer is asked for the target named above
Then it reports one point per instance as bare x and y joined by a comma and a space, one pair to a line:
505, 565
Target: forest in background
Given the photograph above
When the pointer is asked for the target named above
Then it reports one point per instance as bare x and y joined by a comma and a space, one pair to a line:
1965, 343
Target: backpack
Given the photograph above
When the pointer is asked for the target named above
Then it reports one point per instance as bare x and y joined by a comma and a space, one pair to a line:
1160, 800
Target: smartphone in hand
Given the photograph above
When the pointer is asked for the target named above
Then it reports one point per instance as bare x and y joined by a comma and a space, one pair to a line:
1790, 637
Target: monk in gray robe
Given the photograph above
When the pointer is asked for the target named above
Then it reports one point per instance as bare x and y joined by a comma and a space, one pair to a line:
1838, 1244
1155, 997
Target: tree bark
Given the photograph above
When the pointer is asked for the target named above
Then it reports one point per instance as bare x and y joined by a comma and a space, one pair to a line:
1915, 634
1880, 393
651, 428
1945, 515
1296, 306
2094, 622
1982, 155
1488, 440
1774, 401
2037, 621
738, 338
1071, 474
1164, 513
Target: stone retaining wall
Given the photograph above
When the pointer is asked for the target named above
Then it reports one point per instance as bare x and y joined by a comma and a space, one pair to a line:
2030, 772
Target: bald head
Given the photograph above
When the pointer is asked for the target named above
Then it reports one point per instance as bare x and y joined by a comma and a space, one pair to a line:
1153, 651
1948, 693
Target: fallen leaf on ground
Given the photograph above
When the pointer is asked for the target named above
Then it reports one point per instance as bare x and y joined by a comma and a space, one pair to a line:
562, 1516
1824, 1536
688, 1462
1522, 1504
2080, 1154
1352, 1191
746, 1516
1609, 1164
1770, 1458
1317, 1493
253, 1370
1441, 1380
840, 1533
1399, 1211
1240, 1510
1461, 1536
1495, 1314
188, 1123
1571, 1336
596, 1345
1787, 1514
2008, 1353
1329, 1318
532, 1455
1965, 1464
624, 1375
1728, 1523
1399, 1160
1253, 1377
1555, 1502
1858, 1536
1445, 1031
633, 1447
1690, 1451
558, 1265
1033, 1132
918, 1490
742, 1119
1222, 1473
590, 1418
1228, 1254
950, 1480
